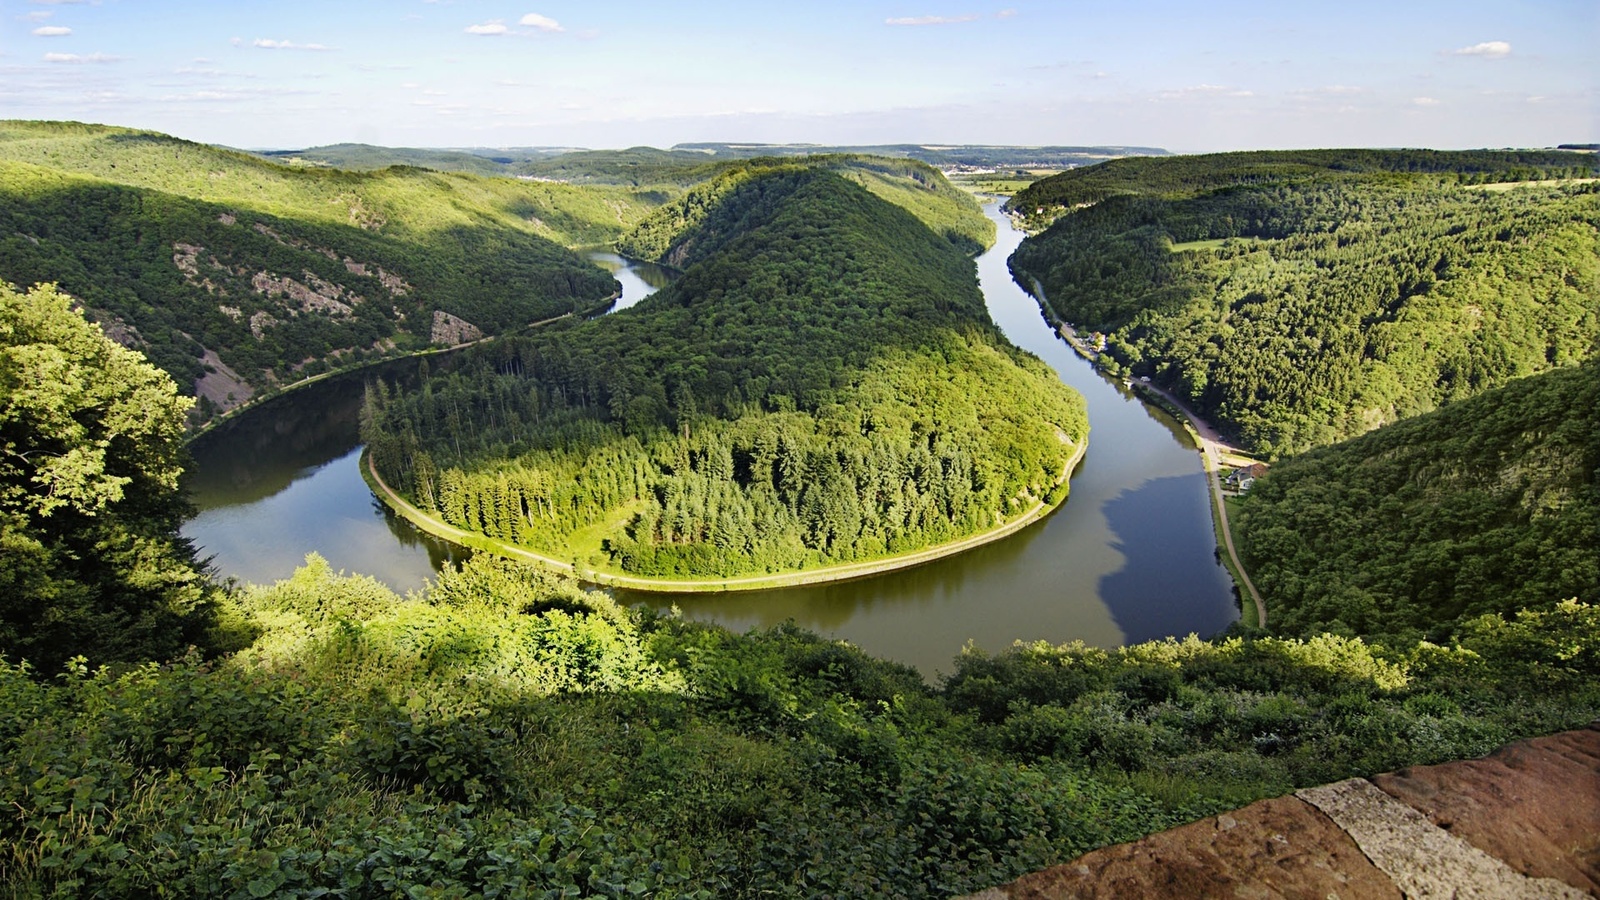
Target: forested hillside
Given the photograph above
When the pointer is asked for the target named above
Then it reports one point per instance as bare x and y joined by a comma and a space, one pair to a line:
822, 385
679, 233
1485, 506
1300, 298
236, 275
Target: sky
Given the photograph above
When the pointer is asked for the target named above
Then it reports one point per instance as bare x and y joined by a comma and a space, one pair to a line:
1185, 76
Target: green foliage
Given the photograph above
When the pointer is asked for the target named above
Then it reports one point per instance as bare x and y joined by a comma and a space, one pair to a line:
432, 753
90, 444
822, 385
1485, 506
1298, 299
1181, 177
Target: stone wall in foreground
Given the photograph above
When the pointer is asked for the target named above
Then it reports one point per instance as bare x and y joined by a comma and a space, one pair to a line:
1521, 822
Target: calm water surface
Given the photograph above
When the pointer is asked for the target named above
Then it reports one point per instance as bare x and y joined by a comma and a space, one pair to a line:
1129, 557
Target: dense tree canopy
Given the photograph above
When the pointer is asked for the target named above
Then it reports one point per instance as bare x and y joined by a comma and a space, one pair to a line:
1296, 307
1485, 506
821, 385
90, 443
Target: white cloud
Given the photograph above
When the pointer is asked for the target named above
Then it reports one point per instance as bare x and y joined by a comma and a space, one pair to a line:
489, 29
932, 20
1205, 90
38, 15
52, 31
76, 59
1487, 49
1424, 101
1005, 14
542, 23
269, 44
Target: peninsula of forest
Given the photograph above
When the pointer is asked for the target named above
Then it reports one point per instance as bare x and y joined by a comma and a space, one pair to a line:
821, 386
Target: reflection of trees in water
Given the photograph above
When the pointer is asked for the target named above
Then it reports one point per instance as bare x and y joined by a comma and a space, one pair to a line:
828, 607
1161, 589
265, 449
440, 552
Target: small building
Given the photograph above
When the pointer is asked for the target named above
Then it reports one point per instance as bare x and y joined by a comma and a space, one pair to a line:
1242, 478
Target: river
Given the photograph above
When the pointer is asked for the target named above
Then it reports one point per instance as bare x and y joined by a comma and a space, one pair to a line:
1129, 557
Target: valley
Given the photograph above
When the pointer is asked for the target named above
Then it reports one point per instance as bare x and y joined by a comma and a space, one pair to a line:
815, 375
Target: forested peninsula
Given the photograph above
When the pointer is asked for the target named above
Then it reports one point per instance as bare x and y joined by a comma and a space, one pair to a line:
822, 385
1299, 298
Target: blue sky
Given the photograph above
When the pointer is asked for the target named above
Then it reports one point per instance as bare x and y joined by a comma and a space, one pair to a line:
1185, 76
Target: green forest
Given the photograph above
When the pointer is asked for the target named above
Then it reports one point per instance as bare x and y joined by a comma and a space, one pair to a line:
1297, 299
507, 733
1485, 506
822, 385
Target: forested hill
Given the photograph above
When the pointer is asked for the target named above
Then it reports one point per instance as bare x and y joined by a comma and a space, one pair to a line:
235, 275
680, 232
822, 385
1177, 177
1299, 304
1486, 506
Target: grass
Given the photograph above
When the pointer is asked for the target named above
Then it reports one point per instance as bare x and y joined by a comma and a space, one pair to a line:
1212, 244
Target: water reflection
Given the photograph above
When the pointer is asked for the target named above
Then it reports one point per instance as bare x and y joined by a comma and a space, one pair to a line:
1154, 594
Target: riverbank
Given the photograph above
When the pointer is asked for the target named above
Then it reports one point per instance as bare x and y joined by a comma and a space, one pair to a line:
1213, 450
843, 572
293, 386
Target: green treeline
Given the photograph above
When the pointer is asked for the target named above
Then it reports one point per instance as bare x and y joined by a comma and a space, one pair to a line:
282, 273
1188, 176
1487, 505
822, 385
178, 276
1299, 308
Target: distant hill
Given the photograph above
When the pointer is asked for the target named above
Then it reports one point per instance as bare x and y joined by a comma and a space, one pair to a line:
677, 233
1486, 506
680, 164
367, 157
1300, 298
823, 385
236, 274
939, 155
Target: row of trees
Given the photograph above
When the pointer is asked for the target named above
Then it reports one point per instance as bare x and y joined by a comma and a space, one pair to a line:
821, 385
